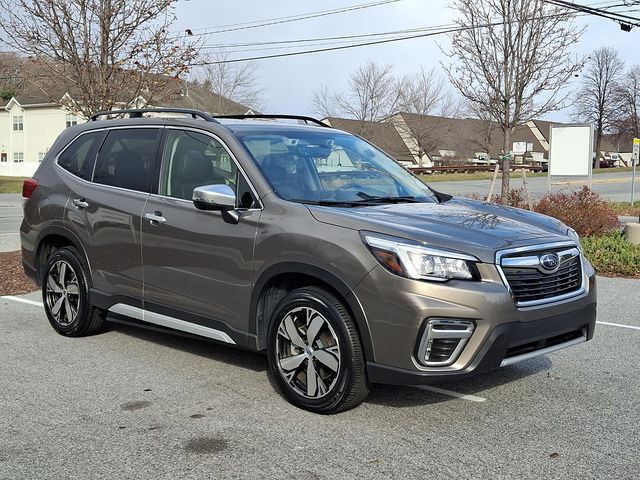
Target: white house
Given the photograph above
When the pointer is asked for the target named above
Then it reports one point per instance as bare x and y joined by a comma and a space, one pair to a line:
30, 125
28, 128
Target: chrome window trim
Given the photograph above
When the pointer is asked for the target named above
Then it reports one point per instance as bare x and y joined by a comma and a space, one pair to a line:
531, 248
231, 155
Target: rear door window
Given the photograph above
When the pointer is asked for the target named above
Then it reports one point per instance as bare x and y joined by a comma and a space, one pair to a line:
78, 158
127, 158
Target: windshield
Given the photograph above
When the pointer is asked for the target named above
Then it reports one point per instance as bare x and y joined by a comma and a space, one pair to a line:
331, 167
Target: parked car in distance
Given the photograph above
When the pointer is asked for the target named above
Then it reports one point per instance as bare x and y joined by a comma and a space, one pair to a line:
283, 235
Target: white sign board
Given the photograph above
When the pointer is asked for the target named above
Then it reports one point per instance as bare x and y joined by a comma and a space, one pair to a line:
519, 148
571, 150
636, 150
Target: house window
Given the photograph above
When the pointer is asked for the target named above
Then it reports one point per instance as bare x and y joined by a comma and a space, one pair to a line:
18, 123
18, 157
71, 120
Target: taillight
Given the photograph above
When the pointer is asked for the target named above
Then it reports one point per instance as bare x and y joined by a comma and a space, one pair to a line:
28, 186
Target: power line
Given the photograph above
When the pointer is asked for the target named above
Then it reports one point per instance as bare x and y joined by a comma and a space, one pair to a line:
318, 39
439, 30
617, 17
289, 19
342, 47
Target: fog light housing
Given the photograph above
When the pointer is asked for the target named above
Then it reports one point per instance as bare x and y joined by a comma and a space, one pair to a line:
443, 341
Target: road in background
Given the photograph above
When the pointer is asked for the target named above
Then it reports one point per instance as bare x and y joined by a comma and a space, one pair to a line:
10, 219
133, 403
612, 185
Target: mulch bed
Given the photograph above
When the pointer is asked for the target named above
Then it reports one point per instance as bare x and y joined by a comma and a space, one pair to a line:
13, 281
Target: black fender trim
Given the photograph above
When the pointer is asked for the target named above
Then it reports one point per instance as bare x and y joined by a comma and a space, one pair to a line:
321, 274
67, 234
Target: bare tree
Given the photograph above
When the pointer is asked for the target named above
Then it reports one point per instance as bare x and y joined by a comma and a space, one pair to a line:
372, 93
11, 75
629, 98
234, 81
596, 101
426, 92
513, 61
324, 102
422, 95
102, 53
485, 132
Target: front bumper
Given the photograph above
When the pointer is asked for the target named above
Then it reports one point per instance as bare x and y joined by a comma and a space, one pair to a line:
504, 338
397, 310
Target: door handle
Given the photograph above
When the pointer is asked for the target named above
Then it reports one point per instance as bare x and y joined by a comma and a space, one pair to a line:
155, 218
80, 203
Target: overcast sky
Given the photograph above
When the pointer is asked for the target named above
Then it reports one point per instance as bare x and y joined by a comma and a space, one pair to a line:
289, 82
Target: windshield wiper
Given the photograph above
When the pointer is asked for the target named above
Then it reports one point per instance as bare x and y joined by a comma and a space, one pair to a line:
441, 197
326, 203
366, 198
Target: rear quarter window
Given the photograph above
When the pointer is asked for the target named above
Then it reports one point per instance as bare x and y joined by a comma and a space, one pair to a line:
78, 158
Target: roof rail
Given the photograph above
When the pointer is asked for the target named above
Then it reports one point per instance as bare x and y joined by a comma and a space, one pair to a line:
137, 112
276, 117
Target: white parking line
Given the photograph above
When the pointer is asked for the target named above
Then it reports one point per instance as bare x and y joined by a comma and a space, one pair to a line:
450, 393
632, 327
22, 300
11, 233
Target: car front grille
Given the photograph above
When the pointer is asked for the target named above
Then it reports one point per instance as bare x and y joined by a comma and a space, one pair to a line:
531, 284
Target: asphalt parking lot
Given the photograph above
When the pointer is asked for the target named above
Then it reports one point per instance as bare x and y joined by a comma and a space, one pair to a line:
132, 403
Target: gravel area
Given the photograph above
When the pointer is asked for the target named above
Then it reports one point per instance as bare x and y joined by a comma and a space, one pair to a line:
13, 281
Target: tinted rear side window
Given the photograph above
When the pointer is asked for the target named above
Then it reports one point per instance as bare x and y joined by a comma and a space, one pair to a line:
79, 156
127, 158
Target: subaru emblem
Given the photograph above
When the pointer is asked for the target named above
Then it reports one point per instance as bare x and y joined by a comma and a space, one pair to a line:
549, 262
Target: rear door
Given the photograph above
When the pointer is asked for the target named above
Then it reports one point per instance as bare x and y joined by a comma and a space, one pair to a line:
106, 213
197, 265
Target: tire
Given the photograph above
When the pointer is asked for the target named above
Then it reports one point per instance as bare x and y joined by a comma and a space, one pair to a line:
65, 295
333, 355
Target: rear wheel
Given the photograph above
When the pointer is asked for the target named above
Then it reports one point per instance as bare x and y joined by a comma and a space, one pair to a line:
65, 294
315, 352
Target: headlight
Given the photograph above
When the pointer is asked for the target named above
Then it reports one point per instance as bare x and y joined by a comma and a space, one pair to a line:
421, 263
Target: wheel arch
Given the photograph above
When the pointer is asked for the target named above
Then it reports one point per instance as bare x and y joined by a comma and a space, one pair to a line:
53, 238
275, 282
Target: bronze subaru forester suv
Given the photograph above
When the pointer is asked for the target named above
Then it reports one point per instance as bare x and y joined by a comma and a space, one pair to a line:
281, 234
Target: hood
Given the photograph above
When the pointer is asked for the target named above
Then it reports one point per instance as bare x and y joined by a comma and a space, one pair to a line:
463, 225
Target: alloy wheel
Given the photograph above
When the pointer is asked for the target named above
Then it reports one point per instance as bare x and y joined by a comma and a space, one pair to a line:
62, 293
308, 352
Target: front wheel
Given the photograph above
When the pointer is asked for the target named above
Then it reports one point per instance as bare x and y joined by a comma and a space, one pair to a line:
315, 352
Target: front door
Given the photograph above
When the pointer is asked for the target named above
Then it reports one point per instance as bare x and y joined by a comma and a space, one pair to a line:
197, 265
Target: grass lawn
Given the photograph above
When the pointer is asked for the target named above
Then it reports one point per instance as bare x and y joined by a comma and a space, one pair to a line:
612, 255
454, 177
625, 208
11, 184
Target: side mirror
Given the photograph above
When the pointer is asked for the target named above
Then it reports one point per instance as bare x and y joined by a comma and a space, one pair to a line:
214, 197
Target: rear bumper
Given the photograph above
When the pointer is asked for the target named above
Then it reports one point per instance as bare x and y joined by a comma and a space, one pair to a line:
508, 343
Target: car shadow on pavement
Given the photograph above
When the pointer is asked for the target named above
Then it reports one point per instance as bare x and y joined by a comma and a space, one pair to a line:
383, 395
408, 396
202, 347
